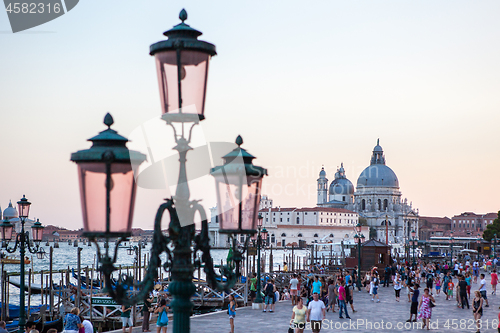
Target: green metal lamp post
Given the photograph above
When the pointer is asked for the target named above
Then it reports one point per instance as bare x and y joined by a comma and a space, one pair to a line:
107, 171
23, 242
261, 234
358, 237
451, 247
413, 241
495, 246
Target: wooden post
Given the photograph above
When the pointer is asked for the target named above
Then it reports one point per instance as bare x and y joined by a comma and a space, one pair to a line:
51, 250
41, 284
139, 263
79, 266
91, 291
2, 291
7, 296
293, 261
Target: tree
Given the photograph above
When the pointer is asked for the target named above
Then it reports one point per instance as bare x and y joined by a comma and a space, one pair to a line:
492, 229
363, 221
373, 233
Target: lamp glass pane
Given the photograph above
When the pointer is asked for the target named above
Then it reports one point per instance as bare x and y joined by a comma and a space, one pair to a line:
92, 177
194, 73
7, 232
24, 210
231, 194
37, 234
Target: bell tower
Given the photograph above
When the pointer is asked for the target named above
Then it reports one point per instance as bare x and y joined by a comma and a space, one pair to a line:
322, 187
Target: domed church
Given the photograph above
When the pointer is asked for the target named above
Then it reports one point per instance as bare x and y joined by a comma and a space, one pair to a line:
377, 198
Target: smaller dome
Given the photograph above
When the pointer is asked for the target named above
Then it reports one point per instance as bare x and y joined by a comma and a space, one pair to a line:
10, 212
322, 173
341, 186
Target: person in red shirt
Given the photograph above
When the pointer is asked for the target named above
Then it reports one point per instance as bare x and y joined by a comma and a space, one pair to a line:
494, 282
451, 285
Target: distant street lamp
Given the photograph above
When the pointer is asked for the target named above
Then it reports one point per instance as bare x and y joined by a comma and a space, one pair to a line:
413, 243
23, 243
451, 246
261, 235
495, 246
478, 242
358, 237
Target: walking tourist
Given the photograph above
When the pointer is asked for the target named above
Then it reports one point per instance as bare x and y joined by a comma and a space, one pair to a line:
414, 302
387, 275
269, 292
316, 313
468, 280
30, 326
494, 282
299, 316
87, 326
482, 290
376, 282
126, 319
162, 321
477, 309
349, 294
146, 310
231, 311
316, 286
294, 287
437, 281
424, 308
462, 285
342, 301
449, 289
253, 287
397, 287
2, 327
72, 322
332, 296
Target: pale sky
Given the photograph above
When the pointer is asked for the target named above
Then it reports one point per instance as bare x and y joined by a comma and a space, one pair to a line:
306, 83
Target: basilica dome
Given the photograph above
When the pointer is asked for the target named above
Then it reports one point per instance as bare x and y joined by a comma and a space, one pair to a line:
378, 174
10, 212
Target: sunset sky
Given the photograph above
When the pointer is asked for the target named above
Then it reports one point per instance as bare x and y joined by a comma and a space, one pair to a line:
306, 84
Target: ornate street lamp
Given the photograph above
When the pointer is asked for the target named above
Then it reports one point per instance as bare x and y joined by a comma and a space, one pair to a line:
358, 238
182, 66
258, 298
413, 243
495, 246
23, 243
451, 246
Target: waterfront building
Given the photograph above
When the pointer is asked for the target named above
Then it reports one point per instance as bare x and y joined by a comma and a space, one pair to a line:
377, 199
300, 226
469, 223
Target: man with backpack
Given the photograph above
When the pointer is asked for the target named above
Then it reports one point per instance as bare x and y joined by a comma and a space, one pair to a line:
269, 292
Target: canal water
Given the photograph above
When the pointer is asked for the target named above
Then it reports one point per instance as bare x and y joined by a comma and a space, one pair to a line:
66, 256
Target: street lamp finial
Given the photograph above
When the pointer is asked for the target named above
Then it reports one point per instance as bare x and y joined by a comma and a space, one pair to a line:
108, 120
183, 15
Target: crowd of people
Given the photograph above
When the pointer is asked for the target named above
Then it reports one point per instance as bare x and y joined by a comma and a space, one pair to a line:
315, 293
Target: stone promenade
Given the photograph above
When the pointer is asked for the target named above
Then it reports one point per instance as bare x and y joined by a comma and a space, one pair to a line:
386, 316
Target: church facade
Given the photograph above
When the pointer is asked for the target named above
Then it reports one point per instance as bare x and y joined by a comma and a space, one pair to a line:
377, 199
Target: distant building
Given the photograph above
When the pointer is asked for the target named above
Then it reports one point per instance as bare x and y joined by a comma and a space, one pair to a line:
377, 198
434, 227
469, 223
